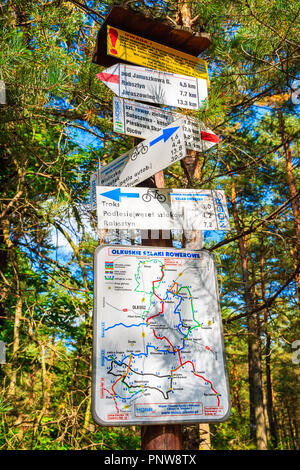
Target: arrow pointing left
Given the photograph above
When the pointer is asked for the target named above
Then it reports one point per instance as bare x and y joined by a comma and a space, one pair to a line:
116, 194
154, 86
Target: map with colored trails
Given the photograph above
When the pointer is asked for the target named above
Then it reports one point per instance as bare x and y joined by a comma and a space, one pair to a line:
158, 345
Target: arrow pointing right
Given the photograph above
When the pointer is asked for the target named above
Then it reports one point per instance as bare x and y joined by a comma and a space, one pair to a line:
165, 135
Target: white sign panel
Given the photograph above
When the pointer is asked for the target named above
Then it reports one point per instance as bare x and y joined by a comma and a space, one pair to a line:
149, 157
161, 209
158, 352
2, 352
142, 120
143, 84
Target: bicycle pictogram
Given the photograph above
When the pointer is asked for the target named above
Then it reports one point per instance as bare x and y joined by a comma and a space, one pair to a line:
140, 149
153, 194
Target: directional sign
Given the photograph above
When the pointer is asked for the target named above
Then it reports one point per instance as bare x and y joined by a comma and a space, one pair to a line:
141, 51
149, 157
143, 84
2, 92
158, 348
118, 194
2, 353
93, 185
161, 209
141, 120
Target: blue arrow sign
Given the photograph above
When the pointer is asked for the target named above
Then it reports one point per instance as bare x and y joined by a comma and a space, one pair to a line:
166, 134
116, 194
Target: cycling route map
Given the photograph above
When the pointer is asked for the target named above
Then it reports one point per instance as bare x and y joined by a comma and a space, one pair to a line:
158, 352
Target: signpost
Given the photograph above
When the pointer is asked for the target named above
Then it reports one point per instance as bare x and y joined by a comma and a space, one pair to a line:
154, 86
150, 54
141, 120
149, 157
161, 209
158, 344
157, 359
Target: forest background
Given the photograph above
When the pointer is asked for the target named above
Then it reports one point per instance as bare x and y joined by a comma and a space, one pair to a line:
56, 127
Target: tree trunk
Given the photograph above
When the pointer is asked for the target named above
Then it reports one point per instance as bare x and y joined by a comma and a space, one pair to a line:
292, 189
236, 387
270, 403
257, 421
12, 256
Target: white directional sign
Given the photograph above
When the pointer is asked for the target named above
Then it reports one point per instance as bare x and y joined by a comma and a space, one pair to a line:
161, 209
2, 353
142, 120
149, 157
93, 186
158, 348
143, 84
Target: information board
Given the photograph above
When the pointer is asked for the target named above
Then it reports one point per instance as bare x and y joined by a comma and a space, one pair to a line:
154, 86
150, 54
141, 120
161, 209
158, 353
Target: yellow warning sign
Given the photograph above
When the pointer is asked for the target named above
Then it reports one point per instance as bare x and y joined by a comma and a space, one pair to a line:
141, 51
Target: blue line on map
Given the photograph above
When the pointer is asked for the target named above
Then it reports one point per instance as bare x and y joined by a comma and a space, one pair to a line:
140, 354
177, 313
126, 326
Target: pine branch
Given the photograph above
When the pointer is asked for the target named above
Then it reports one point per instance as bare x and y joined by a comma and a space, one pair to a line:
269, 301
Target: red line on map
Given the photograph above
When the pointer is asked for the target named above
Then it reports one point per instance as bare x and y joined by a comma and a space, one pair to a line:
113, 395
201, 376
153, 282
164, 337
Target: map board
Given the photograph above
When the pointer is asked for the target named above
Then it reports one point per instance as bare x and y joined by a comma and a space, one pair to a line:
141, 120
158, 353
149, 157
161, 209
150, 54
154, 86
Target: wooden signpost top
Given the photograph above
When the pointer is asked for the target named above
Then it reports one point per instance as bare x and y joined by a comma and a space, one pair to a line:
178, 38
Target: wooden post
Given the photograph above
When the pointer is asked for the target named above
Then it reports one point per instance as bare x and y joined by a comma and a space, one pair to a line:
162, 437
159, 437
170, 436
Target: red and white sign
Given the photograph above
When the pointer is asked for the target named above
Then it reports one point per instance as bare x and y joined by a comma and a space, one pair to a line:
154, 86
141, 120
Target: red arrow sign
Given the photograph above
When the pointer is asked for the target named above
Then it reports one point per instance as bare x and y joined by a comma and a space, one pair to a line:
210, 137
